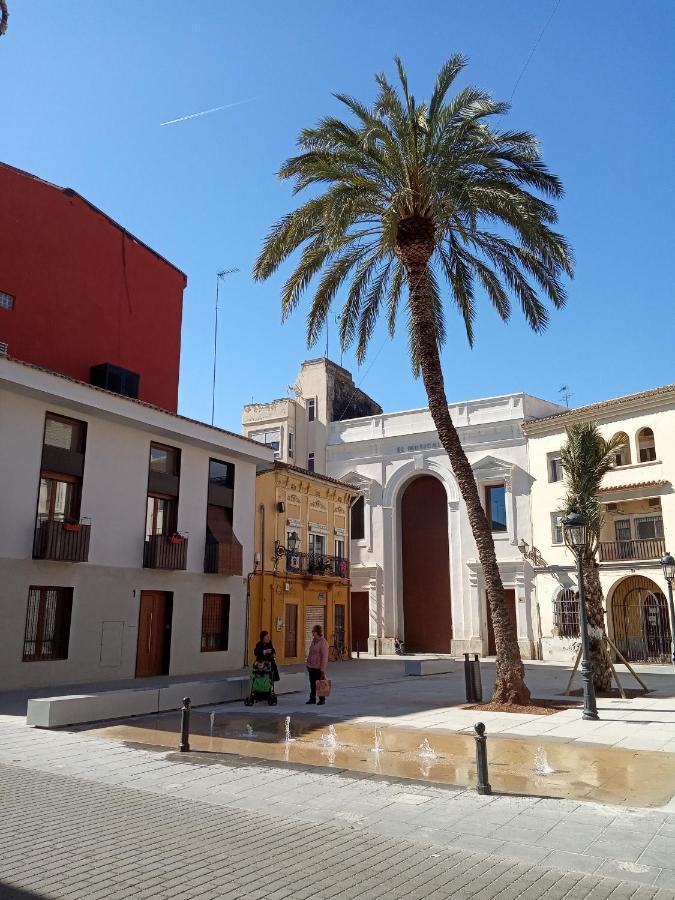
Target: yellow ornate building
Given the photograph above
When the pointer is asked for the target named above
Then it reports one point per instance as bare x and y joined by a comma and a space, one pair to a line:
302, 560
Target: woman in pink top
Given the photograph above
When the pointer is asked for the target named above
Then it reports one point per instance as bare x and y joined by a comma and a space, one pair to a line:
317, 662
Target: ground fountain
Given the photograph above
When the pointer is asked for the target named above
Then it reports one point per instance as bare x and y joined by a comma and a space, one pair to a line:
426, 751
330, 741
541, 763
287, 730
213, 722
377, 747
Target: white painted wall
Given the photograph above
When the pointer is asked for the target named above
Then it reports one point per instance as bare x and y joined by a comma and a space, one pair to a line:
381, 454
114, 490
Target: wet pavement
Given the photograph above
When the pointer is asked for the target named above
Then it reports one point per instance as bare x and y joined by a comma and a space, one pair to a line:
529, 767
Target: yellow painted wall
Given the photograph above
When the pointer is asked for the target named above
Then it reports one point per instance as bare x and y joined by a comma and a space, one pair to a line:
309, 502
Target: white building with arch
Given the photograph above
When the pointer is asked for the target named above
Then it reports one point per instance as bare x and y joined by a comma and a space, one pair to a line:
638, 525
415, 569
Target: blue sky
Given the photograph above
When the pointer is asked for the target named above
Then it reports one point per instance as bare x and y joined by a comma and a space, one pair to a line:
86, 84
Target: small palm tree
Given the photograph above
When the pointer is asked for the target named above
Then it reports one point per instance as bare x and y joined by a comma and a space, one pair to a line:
405, 195
586, 458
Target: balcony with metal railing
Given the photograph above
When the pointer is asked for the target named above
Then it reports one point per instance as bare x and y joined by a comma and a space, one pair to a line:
165, 551
61, 540
647, 548
316, 564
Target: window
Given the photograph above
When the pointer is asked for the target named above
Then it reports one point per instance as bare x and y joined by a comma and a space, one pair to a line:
555, 468
160, 515
47, 623
339, 548
6, 301
358, 519
66, 434
59, 498
317, 544
311, 409
566, 614
270, 438
622, 455
556, 528
648, 528
495, 506
340, 621
215, 622
165, 460
291, 444
221, 474
646, 445
310, 462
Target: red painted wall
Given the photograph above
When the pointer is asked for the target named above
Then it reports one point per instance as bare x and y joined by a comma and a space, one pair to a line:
85, 291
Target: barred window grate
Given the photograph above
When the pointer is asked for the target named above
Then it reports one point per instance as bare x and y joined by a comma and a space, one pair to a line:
6, 301
47, 623
215, 622
566, 614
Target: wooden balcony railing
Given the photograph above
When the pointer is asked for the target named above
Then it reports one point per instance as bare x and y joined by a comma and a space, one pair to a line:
614, 551
316, 564
62, 541
165, 551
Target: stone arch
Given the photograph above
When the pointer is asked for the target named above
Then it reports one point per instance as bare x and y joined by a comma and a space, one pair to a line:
639, 620
396, 484
646, 445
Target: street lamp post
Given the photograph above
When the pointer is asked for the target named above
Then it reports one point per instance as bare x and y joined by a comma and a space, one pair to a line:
576, 538
668, 565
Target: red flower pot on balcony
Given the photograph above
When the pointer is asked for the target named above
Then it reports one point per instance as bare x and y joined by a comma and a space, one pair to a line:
176, 539
71, 526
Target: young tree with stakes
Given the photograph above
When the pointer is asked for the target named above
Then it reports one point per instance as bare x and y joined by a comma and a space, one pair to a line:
586, 458
408, 195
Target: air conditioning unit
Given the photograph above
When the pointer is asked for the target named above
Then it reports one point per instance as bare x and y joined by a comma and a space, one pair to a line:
4, 348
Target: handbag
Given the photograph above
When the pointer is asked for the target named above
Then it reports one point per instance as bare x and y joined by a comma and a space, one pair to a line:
323, 686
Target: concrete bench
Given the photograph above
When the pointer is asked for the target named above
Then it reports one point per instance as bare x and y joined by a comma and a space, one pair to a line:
429, 666
76, 709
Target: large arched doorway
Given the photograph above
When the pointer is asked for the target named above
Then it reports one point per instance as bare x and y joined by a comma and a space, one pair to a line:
640, 622
426, 569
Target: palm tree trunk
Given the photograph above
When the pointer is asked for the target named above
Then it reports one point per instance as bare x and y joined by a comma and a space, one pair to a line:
602, 674
510, 684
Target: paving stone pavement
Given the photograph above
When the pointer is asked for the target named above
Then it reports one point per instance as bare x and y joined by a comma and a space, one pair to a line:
419, 822
65, 837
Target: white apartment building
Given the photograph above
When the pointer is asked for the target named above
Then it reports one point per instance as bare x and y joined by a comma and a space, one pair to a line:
296, 427
638, 528
415, 569
126, 535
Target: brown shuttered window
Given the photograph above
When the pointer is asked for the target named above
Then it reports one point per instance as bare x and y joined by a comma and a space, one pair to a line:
47, 623
215, 622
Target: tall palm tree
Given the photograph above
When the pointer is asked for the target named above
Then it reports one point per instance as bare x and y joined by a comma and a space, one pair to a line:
4, 16
586, 458
407, 194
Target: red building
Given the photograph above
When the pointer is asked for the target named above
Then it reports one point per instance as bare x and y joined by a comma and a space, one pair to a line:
82, 296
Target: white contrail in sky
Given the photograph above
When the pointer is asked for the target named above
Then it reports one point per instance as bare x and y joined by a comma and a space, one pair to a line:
205, 112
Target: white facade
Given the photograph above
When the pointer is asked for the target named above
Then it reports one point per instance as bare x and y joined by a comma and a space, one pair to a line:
106, 589
638, 522
382, 454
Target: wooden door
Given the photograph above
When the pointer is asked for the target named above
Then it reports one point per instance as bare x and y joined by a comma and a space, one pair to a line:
510, 598
360, 617
154, 635
314, 615
291, 631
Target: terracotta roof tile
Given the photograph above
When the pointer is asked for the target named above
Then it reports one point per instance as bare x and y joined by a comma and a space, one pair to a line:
633, 486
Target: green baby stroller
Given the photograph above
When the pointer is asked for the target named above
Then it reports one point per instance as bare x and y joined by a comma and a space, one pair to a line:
262, 684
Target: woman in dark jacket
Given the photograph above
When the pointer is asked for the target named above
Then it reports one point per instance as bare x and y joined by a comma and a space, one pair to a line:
265, 652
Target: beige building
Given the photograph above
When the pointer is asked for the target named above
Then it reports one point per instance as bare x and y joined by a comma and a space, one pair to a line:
296, 426
302, 560
639, 525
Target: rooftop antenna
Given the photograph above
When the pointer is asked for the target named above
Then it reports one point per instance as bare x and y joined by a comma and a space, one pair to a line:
219, 277
565, 394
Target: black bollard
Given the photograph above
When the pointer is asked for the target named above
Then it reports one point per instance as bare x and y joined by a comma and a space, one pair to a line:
358, 651
476, 680
184, 745
468, 680
482, 783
